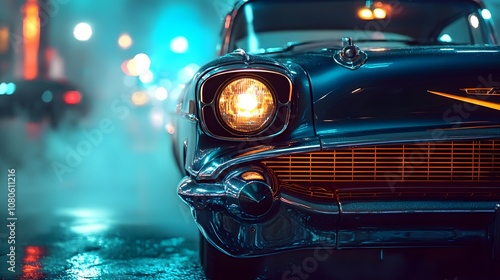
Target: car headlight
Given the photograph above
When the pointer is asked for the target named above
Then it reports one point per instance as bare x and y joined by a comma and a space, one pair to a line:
246, 105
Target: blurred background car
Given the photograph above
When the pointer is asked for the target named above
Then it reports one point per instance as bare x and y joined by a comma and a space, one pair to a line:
43, 99
33, 86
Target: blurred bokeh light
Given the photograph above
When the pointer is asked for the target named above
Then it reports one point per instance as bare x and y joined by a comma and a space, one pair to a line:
82, 31
179, 44
125, 41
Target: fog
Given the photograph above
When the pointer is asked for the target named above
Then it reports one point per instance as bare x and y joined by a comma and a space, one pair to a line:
115, 166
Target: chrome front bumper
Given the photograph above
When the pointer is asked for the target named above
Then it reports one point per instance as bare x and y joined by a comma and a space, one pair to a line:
294, 223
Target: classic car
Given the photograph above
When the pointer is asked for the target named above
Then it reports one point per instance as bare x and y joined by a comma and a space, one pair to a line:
343, 124
39, 99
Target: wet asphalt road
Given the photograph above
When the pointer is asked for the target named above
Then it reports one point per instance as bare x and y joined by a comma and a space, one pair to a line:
124, 253
93, 203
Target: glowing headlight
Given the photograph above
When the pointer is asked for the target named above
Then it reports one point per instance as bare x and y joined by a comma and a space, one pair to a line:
246, 105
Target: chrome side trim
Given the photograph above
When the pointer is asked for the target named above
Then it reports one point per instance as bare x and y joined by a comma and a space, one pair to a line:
431, 135
417, 207
423, 223
482, 91
474, 101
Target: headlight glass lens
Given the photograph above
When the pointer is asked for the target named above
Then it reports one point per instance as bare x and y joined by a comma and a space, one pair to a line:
246, 105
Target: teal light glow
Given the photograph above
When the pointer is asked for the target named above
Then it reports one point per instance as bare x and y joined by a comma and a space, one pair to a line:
445, 38
10, 88
486, 14
179, 44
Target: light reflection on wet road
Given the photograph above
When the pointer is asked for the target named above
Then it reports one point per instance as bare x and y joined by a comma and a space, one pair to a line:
124, 253
78, 187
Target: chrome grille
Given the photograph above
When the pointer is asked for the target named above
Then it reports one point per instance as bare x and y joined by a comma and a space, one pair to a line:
470, 161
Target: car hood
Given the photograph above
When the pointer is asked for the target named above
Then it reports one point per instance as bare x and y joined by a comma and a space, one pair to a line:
404, 91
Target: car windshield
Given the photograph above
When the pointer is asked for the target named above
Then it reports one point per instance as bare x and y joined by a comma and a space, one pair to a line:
272, 25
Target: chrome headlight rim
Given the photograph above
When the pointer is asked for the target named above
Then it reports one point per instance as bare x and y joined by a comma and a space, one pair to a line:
265, 125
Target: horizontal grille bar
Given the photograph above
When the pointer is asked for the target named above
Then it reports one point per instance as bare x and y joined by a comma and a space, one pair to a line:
400, 193
471, 161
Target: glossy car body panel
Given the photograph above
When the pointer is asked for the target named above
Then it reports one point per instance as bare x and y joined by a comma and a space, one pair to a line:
391, 92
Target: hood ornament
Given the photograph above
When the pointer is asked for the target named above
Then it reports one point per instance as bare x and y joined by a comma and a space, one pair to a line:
350, 56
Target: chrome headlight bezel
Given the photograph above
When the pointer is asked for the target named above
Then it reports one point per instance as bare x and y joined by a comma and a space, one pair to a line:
210, 89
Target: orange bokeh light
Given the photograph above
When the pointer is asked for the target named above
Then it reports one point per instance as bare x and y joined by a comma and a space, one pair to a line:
139, 98
31, 33
365, 14
125, 41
